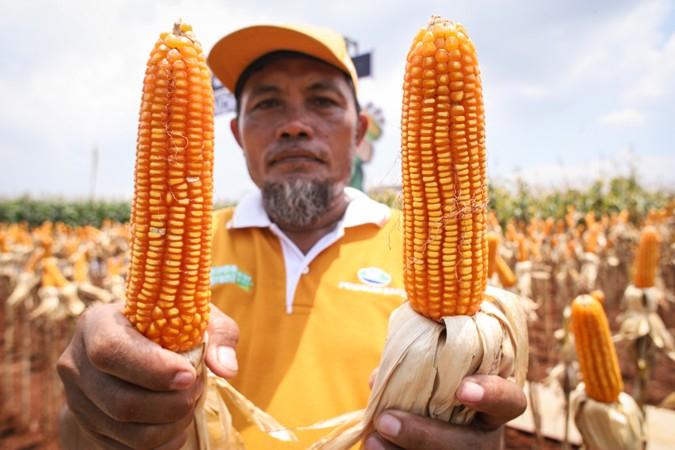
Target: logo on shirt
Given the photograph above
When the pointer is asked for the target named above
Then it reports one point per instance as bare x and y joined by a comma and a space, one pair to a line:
231, 274
374, 276
374, 281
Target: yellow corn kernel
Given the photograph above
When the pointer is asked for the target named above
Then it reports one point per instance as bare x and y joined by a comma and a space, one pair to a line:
444, 173
174, 152
597, 356
647, 258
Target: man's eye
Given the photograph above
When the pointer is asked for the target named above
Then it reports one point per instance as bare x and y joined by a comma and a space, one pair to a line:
324, 101
267, 103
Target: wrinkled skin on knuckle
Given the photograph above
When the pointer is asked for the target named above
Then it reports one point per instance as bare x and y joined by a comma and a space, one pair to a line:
65, 366
154, 436
122, 407
103, 352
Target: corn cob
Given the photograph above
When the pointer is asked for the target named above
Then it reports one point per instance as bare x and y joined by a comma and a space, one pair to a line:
493, 249
482, 329
81, 267
598, 295
51, 274
506, 276
647, 258
444, 178
168, 288
4, 246
523, 253
595, 349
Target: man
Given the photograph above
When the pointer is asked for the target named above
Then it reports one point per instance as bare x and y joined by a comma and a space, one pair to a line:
307, 269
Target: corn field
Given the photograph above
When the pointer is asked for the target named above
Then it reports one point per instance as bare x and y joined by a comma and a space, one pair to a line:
52, 271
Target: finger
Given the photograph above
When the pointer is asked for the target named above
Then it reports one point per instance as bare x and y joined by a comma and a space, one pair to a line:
410, 431
176, 443
113, 346
125, 402
376, 442
496, 399
223, 332
114, 434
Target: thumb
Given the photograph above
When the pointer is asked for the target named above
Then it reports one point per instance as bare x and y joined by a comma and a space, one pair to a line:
223, 336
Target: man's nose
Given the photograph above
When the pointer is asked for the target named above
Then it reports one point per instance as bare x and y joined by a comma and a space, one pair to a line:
295, 128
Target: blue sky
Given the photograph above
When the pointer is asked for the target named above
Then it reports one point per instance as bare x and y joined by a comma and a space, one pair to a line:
574, 89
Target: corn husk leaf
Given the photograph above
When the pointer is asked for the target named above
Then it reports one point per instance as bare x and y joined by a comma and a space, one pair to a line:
668, 402
219, 419
588, 274
424, 361
198, 433
524, 276
69, 294
617, 426
90, 292
642, 319
25, 283
49, 306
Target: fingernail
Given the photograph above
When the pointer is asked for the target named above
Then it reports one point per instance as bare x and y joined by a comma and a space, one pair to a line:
389, 425
227, 358
470, 392
183, 380
372, 443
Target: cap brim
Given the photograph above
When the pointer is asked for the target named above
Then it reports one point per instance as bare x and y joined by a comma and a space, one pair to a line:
236, 51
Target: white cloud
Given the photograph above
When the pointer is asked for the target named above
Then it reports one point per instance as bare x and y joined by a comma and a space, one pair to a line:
621, 117
71, 78
658, 76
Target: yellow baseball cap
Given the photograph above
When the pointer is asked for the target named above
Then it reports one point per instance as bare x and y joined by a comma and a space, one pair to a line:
232, 54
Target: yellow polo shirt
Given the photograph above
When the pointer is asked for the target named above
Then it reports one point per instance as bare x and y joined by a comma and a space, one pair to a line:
310, 335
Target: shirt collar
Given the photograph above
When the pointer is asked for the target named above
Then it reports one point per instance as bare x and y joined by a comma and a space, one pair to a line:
361, 210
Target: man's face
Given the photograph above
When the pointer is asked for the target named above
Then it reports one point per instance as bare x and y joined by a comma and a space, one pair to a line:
298, 120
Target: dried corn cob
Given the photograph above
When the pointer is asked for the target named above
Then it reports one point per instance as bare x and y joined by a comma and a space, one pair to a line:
51, 274
523, 249
493, 248
595, 349
647, 258
81, 267
598, 295
446, 248
444, 174
168, 288
506, 276
605, 416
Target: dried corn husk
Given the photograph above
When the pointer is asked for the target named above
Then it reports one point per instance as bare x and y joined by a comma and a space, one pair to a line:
588, 274
89, 292
69, 295
198, 435
641, 318
25, 283
668, 402
424, 361
524, 275
218, 418
617, 426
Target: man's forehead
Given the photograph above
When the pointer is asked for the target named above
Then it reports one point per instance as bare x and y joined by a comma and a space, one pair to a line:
311, 73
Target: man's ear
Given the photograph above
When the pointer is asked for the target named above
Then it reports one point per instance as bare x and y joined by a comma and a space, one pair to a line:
361, 128
234, 127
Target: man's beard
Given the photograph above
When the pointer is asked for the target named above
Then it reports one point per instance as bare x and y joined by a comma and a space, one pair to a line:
297, 203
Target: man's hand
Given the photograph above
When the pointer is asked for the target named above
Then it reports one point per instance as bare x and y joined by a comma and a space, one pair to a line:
497, 401
124, 391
